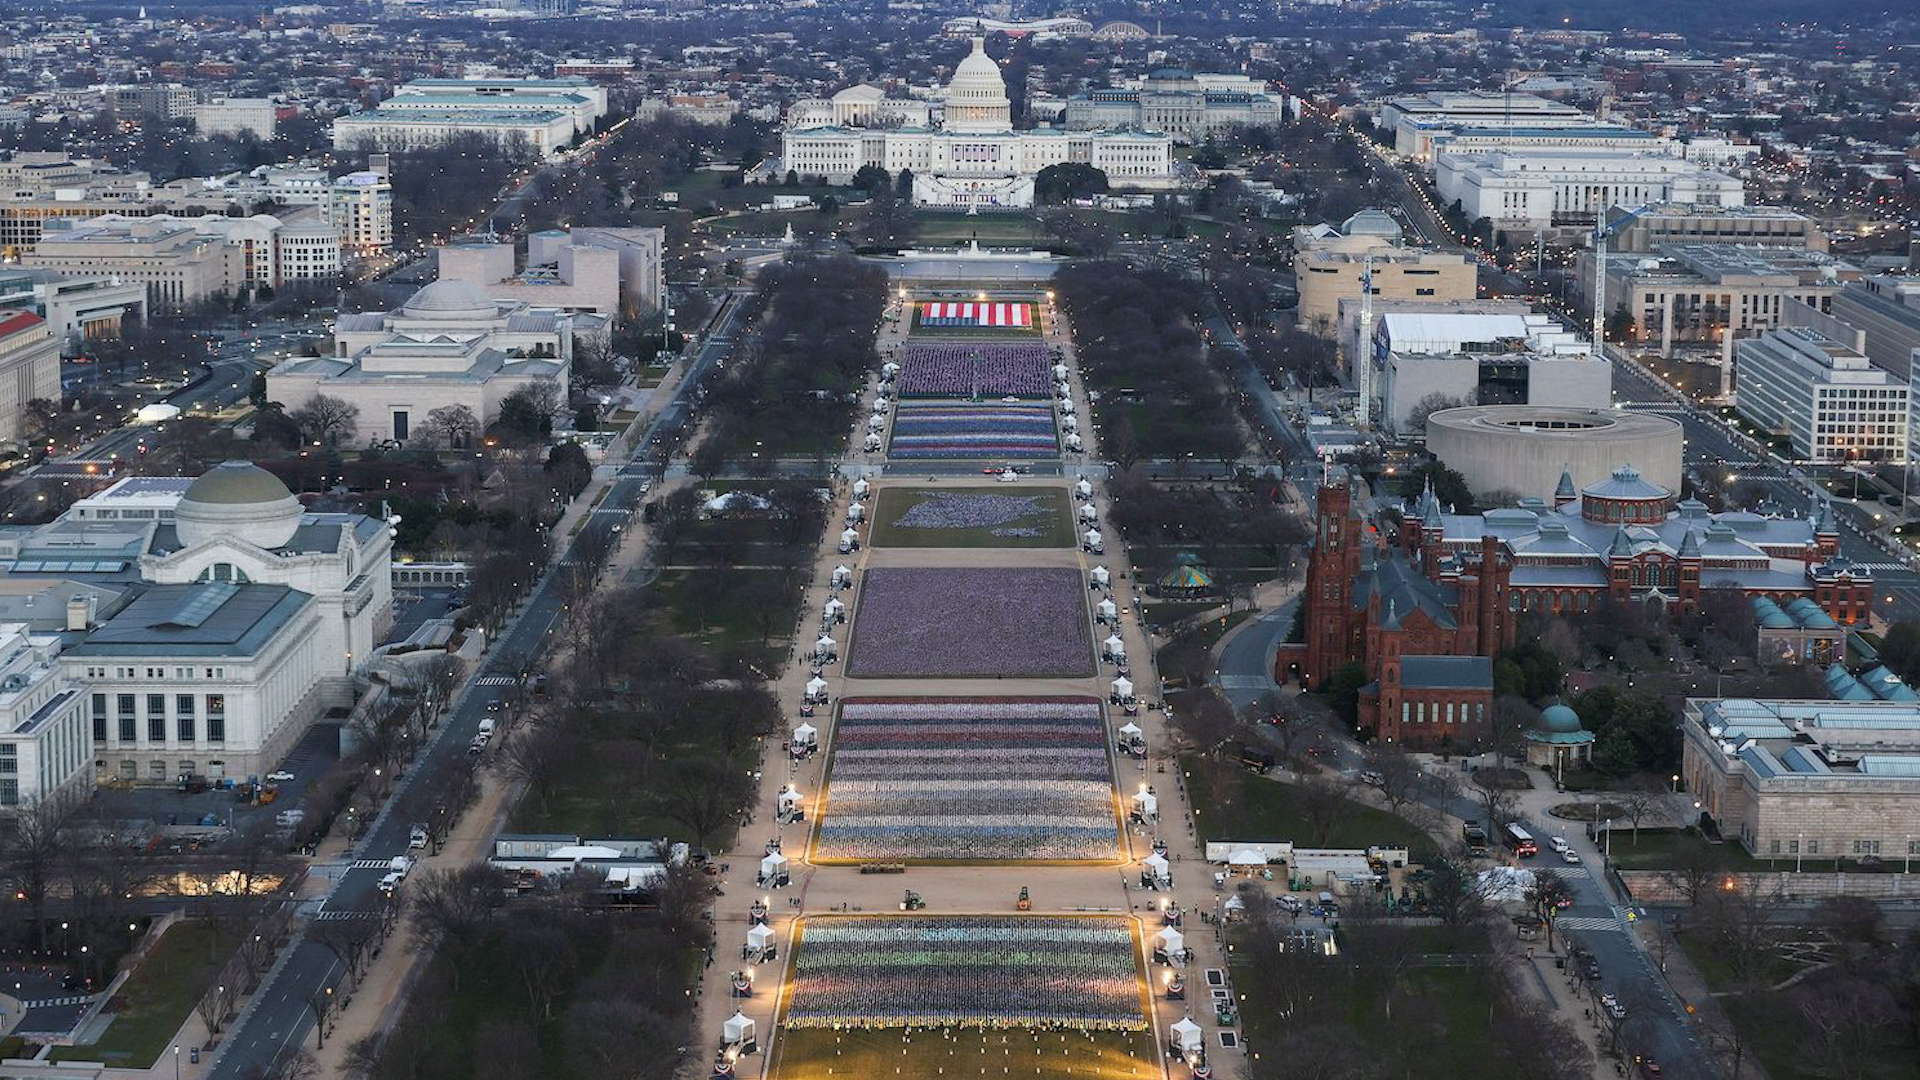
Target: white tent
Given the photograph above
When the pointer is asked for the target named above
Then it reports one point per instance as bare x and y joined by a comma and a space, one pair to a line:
1188, 1036
576, 852
849, 537
1069, 423
832, 610
1083, 489
855, 512
789, 800
880, 405
1114, 646
1107, 610
825, 648
1157, 865
1149, 806
1246, 857
1088, 513
760, 936
1100, 576
876, 422
807, 734
861, 487
737, 1029
1234, 903
772, 866
889, 369
1094, 540
1060, 372
871, 443
1123, 689
842, 576
1074, 443
158, 413
1170, 941
1009, 476
1130, 731
816, 689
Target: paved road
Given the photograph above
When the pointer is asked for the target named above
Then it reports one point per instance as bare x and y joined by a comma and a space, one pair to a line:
280, 1016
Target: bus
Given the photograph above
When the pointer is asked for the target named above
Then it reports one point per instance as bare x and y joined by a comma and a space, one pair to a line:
1519, 840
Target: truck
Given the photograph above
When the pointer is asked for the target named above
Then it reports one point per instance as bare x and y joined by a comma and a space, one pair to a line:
486, 726
1474, 837
1254, 758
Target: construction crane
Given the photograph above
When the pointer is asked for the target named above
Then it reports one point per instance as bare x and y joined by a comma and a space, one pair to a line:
1603, 230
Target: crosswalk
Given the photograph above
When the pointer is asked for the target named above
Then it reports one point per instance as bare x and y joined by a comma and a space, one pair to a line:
1883, 567
495, 680
1586, 922
59, 1002
369, 864
333, 916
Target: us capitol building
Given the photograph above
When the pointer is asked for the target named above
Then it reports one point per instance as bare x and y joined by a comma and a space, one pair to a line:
972, 158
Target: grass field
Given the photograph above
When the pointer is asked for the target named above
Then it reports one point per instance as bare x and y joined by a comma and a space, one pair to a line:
1264, 809
1053, 521
825, 1054
157, 998
727, 608
1663, 850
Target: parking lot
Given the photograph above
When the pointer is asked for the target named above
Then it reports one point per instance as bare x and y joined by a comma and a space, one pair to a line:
156, 810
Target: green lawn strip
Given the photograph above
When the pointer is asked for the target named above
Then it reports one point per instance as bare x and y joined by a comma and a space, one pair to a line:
157, 998
728, 607
1054, 521
1663, 850
1263, 809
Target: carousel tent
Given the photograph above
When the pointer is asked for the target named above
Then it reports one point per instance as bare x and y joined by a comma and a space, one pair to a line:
760, 936
1188, 1036
1186, 580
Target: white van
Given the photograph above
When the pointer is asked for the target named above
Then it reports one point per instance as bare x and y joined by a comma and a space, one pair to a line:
400, 864
486, 725
391, 883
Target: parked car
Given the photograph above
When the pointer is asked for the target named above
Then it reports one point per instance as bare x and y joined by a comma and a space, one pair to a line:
1650, 1069
280, 776
1613, 1006
1290, 904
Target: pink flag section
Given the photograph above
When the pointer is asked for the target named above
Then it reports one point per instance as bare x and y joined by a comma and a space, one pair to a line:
974, 314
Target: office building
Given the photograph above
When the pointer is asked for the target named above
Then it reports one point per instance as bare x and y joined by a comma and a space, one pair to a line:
1539, 189
582, 101
1886, 310
974, 157
598, 269
46, 754
451, 344
715, 110
1416, 119
1186, 105
360, 206
1708, 295
1445, 360
1329, 263
78, 308
162, 101
1807, 780
29, 368
1658, 226
543, 133
235, 116
1519, 139
186, 260
1823, 395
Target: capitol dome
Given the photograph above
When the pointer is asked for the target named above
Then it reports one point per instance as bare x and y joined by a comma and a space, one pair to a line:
241, 500
450, 300
977, 96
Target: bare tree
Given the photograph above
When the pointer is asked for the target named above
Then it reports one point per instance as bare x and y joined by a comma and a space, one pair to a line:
1641, 801
1496, 798
1325, 806
703, 794
1398, 774
454, 908
537, 757
451, 426
32, 852
349, 940
543, 955
327, 419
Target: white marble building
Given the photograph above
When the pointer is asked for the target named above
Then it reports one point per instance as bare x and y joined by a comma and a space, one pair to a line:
973, 158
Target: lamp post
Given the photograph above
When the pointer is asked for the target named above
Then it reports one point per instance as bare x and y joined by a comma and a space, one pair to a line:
1799, 849
176, 1061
